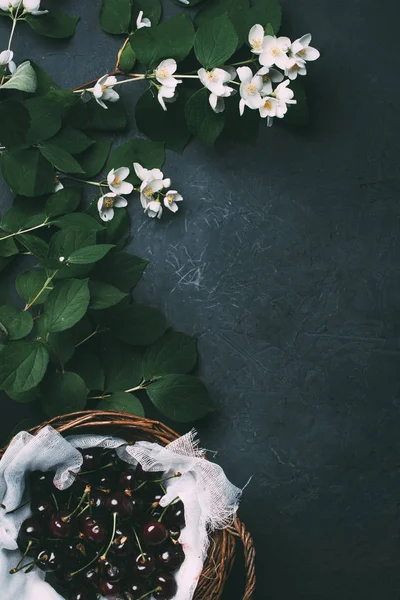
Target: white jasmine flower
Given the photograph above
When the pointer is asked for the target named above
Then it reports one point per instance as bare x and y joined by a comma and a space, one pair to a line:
216, 81
250, 89
147, 174
284, 95
116, 181
268, 108
269, 76
164, 73
107, 203
256, 38
33, 6
6, 60
57, 184
166, 94
300, 52
149, 189
171, 199
184, 1
217, 103
154, 209
9, 5
103, 91
274, 52
142, 22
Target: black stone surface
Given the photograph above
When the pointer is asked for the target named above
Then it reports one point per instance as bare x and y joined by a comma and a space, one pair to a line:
285, 263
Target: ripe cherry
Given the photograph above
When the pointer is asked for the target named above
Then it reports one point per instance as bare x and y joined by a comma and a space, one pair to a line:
42, 507
168, 586
134, 590
97, 503
154, 533
92, 458
82, 593
94, 530
153, 493
111, 571
127, 479
175, 515
171, 557
40, 482
122, 545
30, 533
108, 588
91, 576
144, 565
121, 504
49, 560
60, 525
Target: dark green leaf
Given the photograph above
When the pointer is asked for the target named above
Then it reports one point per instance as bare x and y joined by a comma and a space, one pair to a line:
89, 254
30, 283
202, 121
175, 352
121, 270
27, 172
14, 123
72, 140
8, 247
215, 42
126, 58
115, 16
266, 12
66, 305
169, 127
78, 220
24, 79
94, 117
122, 402
61, 159
104, 295
15, 323
137, 325
149, 154
24, 397
61, 346
171, 39
237, 10
54, 24
88, 366
65, 242
34, 244
121, 363
45, 118
117, 231
94, 158
63, 393
151, 10
24, 214
64, 201
182, 398
22, 366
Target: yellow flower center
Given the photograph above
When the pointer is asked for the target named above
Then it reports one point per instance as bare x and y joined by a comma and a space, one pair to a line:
108, 202
104, 88
257, 43
169, 198
148, 192
117, 181
275, 51
163, 73
251, 88
302, 52
295, 68
266, 78
268, 105
212, 76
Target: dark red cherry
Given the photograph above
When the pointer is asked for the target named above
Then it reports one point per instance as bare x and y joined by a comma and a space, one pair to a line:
105, 479
110, 457
97, 503
127, 479
60, 525
76, 553
109, 588
43, 508
122, 545
144, 565
154, 533
167, 583
30, 533
94, 530
134, 590
120, 503
171, 557
92, 458
82, 593
91, 576
40, 482
111, 571
148, 475
175, 515
153, 493
49, 560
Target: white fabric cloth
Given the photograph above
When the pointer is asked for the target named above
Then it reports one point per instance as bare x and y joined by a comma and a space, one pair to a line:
210, 500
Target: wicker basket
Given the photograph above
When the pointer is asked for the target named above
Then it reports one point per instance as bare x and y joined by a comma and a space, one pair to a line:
222, 551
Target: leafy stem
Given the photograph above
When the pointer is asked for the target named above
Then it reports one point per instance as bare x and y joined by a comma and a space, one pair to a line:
22, 231
40, 292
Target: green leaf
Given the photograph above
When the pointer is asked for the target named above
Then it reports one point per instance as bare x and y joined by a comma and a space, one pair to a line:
115, 16
159, 126
298, 114
66, 305
237, 10
30, 283
34, 244
27, 172
120, 269
121, 363
14, 123
266, 12
65, 242
182, 398
152, 10
15, 323
137, 325
117, 231
54, 24
22, 366
64, 201
8, 247
23, 214
24, 79
72, 140
104, 295
94, 158
61, 159
63, 393
172, 39
175, 352
202, 121
24, 397
122, 402
78, 219
45, 118
126, 58
149, 154
92, 116
87, 365
215, 42
61, 346
89, 254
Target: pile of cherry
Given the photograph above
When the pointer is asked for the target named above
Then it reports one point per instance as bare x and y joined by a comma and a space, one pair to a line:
107, 534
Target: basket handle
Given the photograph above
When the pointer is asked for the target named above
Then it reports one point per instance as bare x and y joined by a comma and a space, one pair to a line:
239, 530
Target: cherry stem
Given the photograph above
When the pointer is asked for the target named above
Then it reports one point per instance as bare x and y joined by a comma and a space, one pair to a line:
139, 544
92, 471
55, 501
147, 594
83, 510
166, 508
177, 474
82, 500
17, 568
104, 556
45, 558
86, 566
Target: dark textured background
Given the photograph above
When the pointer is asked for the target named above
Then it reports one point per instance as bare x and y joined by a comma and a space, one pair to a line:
285, 262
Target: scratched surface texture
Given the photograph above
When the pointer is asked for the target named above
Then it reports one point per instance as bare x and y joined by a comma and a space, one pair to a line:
285, 263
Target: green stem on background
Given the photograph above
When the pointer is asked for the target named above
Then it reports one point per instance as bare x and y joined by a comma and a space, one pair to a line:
166, 508
22, 231
104, 555
89, 336
40, 292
